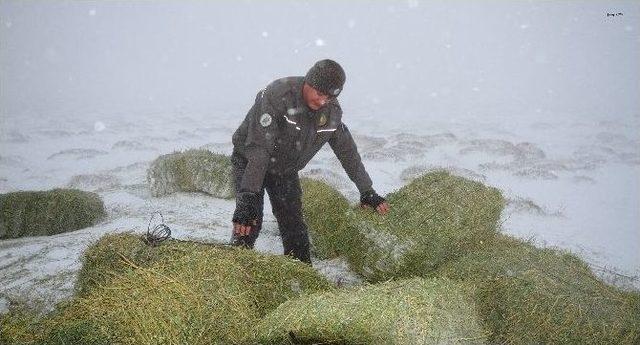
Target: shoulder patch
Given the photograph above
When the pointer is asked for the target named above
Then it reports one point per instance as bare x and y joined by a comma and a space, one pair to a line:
265, 120
322, 120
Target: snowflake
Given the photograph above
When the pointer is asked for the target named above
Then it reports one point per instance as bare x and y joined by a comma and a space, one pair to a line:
320, 42
92, 12
99, 126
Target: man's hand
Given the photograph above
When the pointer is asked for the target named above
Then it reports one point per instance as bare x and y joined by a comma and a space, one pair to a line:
243, 230
246, 213
373, 200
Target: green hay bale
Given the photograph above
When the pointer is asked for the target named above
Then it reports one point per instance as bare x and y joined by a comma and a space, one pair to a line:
192, 171
435, 218
104, 260
528, 295
324, 210
202, 300
413, 311
176, 293
37, 213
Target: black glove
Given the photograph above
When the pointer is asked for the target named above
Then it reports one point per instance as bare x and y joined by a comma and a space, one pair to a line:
246, 208
371, 198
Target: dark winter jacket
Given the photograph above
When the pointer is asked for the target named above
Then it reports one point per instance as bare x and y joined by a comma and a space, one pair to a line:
281, 134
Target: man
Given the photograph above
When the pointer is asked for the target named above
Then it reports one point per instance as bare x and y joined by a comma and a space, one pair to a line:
292, 118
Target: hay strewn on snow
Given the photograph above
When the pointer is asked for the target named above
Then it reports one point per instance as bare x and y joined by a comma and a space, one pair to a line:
37, 213
177, 293
435, 218
192, 171
414, 311
528, 295
476, 285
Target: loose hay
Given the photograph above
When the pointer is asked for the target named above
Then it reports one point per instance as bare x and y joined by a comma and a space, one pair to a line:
176, 293
528, 295
414, 311
37, 213
18, 324
192, 171
435, 218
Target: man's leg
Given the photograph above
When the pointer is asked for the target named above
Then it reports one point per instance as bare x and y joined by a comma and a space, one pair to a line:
285, 195
249, 240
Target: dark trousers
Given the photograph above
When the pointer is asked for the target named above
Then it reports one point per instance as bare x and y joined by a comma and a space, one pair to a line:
285, 195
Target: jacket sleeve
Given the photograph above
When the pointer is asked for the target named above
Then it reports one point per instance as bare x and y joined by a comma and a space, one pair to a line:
259, 143
345, 149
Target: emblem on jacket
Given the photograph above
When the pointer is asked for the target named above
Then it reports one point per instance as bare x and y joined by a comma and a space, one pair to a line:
322, 120
265, 120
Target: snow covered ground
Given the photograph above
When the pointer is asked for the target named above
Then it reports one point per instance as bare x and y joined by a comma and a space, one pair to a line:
539, 99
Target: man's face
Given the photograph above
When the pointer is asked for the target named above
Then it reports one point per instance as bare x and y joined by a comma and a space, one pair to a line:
314, 98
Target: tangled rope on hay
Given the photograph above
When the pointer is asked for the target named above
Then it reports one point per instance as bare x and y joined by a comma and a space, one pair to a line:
159, 233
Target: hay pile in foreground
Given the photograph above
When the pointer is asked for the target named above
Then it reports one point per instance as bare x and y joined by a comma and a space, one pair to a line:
414, 311
177, 293
528, 295
435, 218
37, 213
192, 171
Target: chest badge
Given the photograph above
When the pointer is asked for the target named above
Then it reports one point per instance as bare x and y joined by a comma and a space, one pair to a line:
322, 120
265, 120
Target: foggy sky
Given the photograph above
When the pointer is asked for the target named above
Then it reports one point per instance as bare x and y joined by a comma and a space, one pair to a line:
402, 58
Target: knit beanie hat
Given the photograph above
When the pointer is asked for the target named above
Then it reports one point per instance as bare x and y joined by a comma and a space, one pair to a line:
326, 76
